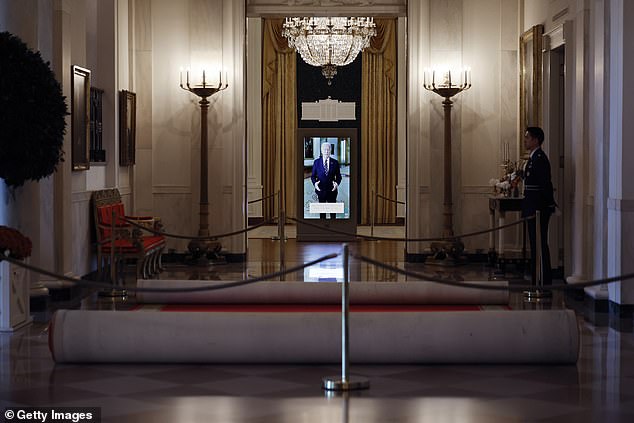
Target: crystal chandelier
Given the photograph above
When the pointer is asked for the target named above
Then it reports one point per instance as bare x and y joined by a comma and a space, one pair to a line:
329, 42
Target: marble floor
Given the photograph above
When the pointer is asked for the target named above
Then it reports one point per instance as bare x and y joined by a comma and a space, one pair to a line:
599, 388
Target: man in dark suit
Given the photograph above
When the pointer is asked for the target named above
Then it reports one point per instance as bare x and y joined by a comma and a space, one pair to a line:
326, 178
538, 195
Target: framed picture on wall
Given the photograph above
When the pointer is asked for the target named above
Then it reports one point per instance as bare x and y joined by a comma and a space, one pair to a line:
127, 128
530, 80
80, 118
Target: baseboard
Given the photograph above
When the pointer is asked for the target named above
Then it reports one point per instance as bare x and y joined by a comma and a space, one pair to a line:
251, 221
400, 221
601, 312
593, 310
621, 316
235, 257
471, 257
416, 257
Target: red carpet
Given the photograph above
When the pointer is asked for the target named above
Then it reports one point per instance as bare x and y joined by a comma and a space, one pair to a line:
314, 308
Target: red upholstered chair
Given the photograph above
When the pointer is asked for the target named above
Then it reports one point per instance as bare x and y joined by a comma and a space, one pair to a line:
129, 241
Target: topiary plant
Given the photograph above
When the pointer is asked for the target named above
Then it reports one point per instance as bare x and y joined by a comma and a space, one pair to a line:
32, 111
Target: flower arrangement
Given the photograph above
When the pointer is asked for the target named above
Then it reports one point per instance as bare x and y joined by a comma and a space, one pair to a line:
512, 175
14, 244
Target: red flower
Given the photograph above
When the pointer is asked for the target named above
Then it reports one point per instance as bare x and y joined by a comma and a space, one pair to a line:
18, 245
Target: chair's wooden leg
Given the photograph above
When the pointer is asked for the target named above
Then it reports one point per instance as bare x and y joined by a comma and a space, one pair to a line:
145, 267
139, 268
99, 264
160, 259
155, 259
105, 270
159, 262
151, 262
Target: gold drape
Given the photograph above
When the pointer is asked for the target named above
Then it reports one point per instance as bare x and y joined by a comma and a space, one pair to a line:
378, 123
279, 120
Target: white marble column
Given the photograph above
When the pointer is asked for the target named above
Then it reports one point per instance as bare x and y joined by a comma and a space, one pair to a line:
142, 82
21, 209
621, 190
60, 64
418, 120
401, 128
580, 134
254, 115
233, 212
105, 76
600, 133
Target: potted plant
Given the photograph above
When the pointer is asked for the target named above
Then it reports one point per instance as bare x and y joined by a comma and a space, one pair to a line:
14, 284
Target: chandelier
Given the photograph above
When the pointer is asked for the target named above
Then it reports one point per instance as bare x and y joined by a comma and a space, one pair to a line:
329, 42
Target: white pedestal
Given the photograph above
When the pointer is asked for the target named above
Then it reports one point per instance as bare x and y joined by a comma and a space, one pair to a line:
15, 310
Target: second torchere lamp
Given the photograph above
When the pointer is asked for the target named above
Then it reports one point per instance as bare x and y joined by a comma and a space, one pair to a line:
447, 83
203, 248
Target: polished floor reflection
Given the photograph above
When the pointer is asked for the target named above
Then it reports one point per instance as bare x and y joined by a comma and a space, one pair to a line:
599, 388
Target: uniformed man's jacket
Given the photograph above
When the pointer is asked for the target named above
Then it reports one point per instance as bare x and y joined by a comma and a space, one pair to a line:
538, 187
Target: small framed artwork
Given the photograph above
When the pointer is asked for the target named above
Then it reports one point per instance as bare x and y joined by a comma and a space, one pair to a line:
127, 128
530, 80
80, 118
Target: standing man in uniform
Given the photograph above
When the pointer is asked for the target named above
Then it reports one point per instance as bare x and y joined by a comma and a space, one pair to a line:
326, 178
538, 196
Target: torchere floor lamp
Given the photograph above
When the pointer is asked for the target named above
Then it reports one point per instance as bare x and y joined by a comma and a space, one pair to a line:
447, 252
203, 248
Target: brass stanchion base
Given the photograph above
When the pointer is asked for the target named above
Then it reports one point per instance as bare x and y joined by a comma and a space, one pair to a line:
537, 296
336, 383
113, 293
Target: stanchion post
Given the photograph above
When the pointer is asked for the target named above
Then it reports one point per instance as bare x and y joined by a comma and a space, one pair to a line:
345, 382
538, 251
537, 293
345, 311
372, 207
282, 218
113, 266
280, 222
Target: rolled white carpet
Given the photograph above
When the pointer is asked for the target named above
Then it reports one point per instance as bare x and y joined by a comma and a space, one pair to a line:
549, 336
271, 292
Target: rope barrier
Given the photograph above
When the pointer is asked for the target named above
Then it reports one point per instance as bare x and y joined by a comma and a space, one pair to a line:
570, 287
202, 238
378, 238
262, 199
389, 199
416, 275
95, 284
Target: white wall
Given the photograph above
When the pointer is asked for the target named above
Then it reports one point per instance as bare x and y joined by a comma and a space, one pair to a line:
484, 35
73, 32
598, 56
187, 34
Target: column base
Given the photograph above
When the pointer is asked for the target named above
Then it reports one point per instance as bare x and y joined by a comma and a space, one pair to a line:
573, 279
